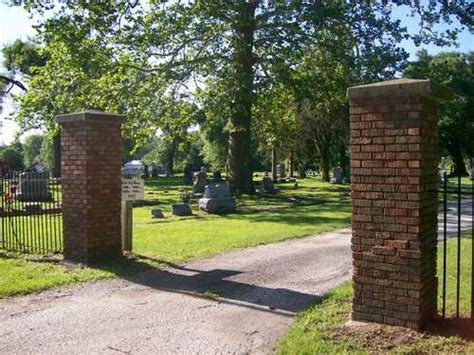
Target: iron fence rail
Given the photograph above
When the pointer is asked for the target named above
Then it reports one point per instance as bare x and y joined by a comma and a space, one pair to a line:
30, 213
461, 192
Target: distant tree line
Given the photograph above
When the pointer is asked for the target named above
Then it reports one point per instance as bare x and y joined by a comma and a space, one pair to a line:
35, 148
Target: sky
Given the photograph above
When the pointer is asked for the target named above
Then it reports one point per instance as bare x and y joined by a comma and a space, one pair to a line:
15, 23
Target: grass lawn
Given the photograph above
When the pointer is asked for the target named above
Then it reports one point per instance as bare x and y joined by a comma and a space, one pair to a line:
321, 330
451, 272
312, 207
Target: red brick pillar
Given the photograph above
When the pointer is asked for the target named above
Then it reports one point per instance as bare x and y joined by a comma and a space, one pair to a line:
91, 185
394, 159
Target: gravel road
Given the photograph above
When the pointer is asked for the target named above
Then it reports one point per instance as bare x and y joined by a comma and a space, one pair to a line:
239, 302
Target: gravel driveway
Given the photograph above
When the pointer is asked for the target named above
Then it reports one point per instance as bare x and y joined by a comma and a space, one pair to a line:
239, 302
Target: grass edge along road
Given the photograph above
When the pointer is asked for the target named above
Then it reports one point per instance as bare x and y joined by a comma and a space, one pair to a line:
321, 328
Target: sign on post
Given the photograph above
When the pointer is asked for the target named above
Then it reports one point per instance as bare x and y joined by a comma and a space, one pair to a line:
132, 190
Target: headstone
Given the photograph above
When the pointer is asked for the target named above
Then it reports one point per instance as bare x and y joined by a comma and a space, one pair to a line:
217, 191
200, 182
280, 170
216, 176
32, 208
156, 213
217, 199
188, 176
337, 175
472, 168
268, 186
34, 187
181, 209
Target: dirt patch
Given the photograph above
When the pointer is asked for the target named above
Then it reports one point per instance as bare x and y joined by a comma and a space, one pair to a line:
450, 336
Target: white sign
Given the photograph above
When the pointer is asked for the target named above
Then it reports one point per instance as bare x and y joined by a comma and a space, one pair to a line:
132, 189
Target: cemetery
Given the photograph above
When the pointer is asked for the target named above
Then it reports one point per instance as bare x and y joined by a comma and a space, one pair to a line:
236, 177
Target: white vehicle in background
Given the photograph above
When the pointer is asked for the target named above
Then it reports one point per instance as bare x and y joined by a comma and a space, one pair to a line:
133, 168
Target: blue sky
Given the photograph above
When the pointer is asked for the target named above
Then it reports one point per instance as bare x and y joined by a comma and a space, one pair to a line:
15, 23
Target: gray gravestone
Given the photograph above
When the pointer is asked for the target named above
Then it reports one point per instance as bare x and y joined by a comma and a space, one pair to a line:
280, 170
337, 175
156, 213
34, 187
200, 182
181, 209
268, 186
217, 199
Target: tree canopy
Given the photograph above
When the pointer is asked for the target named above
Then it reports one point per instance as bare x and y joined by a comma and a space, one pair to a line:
456, 120
142, 59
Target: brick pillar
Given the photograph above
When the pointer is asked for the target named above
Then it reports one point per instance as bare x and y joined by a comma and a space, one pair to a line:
394, 159
91, 185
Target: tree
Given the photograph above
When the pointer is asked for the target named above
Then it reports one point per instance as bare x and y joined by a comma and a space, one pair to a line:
46, 155
32, 149
13, 157
456, 122
134, 57
21, 57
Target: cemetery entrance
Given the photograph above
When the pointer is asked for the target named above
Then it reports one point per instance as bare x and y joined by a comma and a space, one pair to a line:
30, 213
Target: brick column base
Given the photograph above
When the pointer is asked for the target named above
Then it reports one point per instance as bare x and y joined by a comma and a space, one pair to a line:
91, 185
394, 159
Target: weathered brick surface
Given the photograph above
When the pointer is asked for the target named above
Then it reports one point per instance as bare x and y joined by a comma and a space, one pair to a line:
91, 185
394, 200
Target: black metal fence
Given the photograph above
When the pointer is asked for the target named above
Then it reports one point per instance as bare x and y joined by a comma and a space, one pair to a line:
30, 213
457, 225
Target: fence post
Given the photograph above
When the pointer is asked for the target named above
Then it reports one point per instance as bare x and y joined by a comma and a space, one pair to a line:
394, 160
91, 185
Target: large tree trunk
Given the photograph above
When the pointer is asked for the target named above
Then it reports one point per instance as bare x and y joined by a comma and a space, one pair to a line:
459, 166
302, 170
324, 159
240, 173
343, 160
291, 165
325, 164
170, 155
274, 164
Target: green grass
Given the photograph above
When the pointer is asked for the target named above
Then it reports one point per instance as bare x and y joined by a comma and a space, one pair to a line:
451, 273
19, 275
452, 187
23, 274
321, 207
321, 330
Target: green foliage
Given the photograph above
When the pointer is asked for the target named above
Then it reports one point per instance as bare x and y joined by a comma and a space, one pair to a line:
23, 57
32, 149
46, 155
13, 157
144, 59
456, 122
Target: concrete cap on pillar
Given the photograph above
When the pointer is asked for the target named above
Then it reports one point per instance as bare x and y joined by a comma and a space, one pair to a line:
90, 116
400, 88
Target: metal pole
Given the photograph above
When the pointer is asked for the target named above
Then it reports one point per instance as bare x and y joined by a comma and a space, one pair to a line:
445, 205
458, 276
127, 225
472, 244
